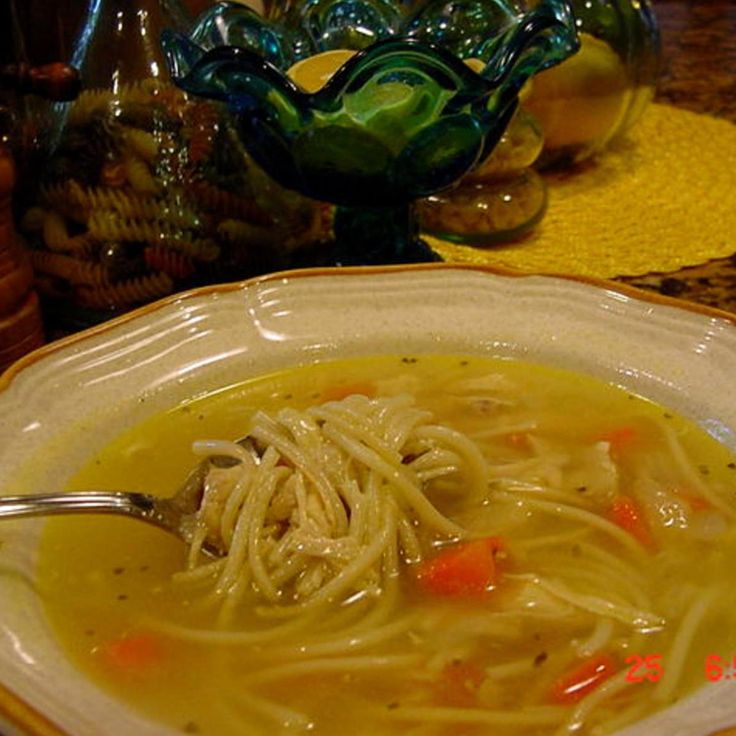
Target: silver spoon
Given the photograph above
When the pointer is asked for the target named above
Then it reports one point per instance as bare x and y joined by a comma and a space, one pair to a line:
174, 514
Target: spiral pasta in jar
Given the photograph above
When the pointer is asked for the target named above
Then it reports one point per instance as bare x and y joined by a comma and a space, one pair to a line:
147, 193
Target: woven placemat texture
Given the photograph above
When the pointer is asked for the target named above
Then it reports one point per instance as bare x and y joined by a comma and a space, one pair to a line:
662, 198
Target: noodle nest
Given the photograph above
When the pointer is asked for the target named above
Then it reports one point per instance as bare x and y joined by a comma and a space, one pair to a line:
322, 505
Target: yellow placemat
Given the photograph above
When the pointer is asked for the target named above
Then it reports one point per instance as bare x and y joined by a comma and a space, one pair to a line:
663, 198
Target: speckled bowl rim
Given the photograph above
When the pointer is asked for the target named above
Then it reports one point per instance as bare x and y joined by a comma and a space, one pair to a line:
134, 314
23, 717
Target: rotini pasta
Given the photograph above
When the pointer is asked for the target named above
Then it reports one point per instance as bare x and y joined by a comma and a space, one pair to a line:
95, 101
32, 220
204, 120
201, 249
139, 176
89, 102
141, 143
127, 293
146, 192
108, 225
228, 205
176, 264
154, 86
173, 101
114, 174
56, 236
131, 205
239, 231
317, 230
70, 269
59, 196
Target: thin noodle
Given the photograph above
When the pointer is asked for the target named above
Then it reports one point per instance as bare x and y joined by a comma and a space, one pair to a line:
608, 689
598, 639
287, 718
566, 538
218, 637
689, 474
334, 664
575, 514
677, 656
236, 593
351, 641
337, 586
501, 430
510, 669
397, 476
537, 716
267, 431
238, 550
601, 578
594, 604
258, 506
475, 465
200, 575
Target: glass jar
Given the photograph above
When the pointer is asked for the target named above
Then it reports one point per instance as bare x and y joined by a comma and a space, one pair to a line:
597, 94
144, 191
500, 201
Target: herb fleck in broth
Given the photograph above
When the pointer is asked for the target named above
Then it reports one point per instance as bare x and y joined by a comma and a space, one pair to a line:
609, 569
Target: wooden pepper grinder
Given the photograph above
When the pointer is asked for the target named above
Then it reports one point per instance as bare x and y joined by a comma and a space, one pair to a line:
21, 327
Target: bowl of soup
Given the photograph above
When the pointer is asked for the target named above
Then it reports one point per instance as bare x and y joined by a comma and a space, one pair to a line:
441, 500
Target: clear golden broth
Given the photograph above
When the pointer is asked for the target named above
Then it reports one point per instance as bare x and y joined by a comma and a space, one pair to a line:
103, 578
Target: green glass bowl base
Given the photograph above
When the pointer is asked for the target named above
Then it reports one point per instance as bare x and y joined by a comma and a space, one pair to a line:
377, 236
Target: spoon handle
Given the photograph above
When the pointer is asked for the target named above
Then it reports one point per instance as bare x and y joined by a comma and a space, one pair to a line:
112, 502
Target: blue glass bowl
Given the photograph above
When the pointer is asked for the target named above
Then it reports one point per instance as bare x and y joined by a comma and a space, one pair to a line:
402, 119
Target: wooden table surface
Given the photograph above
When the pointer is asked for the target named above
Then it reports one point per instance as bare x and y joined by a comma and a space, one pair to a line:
699, 73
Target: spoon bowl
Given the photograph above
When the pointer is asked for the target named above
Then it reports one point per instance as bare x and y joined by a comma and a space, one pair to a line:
175, 514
